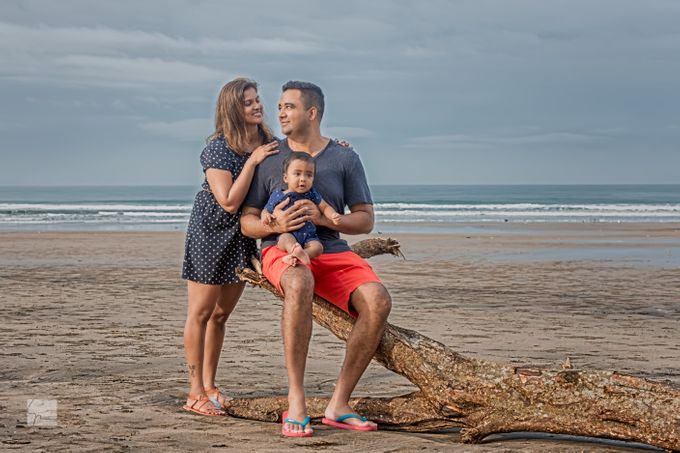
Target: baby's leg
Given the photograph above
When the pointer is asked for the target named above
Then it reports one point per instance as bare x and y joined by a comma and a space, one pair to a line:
313, 249
288, 243
285, 242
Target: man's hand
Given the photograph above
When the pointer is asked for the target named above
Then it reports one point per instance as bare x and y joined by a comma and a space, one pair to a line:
292, 218
343, 143
312, 211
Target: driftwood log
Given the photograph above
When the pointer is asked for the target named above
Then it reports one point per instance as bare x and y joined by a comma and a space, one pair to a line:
483, 397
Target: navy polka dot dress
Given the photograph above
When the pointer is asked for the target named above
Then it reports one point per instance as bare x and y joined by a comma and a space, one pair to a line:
214, 245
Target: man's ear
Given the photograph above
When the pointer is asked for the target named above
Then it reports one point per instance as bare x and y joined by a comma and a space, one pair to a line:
312, 113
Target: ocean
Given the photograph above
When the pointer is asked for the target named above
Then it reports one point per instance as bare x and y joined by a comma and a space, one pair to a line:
441, 208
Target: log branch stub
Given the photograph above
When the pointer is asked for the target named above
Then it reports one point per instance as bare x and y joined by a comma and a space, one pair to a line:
377, 246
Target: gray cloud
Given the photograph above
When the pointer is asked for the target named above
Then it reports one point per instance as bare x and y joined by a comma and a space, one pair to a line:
44, 40
507, 142
187, 130
348, 132
488, 91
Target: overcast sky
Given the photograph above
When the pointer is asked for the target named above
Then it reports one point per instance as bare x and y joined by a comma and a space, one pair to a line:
429, 92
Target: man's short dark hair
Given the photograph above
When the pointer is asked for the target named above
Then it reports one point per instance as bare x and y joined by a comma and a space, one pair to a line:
298, 155
311, 94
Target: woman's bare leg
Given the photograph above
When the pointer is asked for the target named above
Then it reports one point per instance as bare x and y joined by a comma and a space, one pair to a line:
214, 335
202, 301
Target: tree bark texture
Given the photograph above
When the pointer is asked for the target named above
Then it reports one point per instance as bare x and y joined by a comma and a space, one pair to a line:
485, 397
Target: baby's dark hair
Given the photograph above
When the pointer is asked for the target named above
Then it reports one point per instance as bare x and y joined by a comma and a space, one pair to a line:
298, 155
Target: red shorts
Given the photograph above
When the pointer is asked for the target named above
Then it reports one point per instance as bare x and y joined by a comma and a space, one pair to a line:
336, 275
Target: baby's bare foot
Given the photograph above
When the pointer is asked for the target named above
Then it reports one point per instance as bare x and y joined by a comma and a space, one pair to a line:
290, 260
299, 253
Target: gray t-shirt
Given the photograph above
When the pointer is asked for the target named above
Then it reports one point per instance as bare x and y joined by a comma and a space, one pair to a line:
340, 179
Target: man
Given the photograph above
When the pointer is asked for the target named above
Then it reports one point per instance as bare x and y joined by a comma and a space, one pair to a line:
338, 275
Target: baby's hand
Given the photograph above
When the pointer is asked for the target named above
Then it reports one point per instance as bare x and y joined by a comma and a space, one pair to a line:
335, 218
266, 217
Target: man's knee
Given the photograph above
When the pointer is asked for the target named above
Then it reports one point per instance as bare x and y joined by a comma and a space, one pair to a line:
383, 303
375, 300
298, 282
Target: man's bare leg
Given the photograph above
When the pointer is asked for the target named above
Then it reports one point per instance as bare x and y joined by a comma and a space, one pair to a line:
296, 329
373, 303
295, 251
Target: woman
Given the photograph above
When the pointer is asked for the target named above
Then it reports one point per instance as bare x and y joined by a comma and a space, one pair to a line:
215, 246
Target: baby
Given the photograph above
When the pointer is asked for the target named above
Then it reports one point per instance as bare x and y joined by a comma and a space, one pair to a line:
298, 174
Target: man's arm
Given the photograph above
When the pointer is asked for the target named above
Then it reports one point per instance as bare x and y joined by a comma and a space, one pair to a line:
360, 220
251, 225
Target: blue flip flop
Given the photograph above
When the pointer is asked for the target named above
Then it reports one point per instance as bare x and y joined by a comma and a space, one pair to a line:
303, 424
339, 423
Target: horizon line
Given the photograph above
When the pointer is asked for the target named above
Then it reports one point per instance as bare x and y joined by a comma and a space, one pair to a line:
5, 186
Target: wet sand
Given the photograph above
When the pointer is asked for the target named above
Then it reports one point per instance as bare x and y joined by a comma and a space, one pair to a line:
94, 321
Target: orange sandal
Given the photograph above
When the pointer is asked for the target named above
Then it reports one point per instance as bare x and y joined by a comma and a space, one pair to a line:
199, 406
218, 398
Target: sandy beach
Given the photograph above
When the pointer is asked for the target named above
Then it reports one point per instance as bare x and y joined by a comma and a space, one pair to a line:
94, 321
